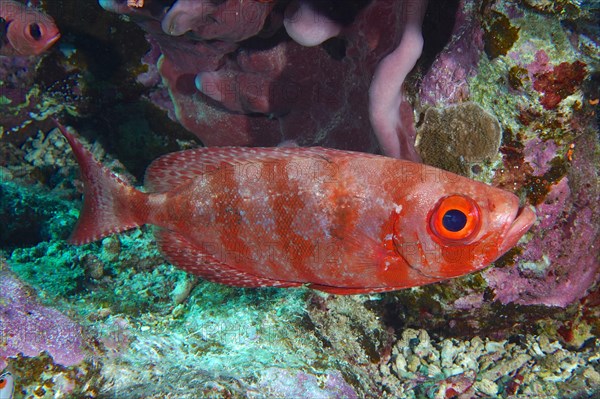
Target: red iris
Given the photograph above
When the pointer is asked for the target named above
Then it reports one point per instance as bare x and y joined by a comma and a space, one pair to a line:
455, 219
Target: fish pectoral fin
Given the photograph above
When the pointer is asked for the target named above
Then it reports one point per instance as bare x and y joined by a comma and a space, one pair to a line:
193, 259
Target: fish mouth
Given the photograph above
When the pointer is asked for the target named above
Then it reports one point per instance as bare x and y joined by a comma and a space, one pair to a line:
47, 44
53, 40
523, 220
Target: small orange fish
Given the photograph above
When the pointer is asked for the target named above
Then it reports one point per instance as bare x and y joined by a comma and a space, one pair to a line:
337, 221
25, 31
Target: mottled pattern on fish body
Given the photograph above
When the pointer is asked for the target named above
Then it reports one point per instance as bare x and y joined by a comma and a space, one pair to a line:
286, 214
338, 221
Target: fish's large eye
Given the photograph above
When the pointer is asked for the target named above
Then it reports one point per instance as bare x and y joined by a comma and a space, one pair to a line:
2, 382
455, 219
34, 31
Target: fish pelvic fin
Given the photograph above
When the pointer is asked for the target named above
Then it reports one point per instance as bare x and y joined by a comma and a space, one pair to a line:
110, 205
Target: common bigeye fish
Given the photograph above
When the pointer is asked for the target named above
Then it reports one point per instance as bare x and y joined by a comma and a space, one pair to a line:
337, 221
25, 31
7, 386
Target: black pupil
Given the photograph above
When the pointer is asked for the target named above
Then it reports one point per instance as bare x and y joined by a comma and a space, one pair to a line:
35, 32
454, 220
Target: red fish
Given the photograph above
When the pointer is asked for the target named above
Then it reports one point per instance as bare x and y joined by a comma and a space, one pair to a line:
25, 31
337, 221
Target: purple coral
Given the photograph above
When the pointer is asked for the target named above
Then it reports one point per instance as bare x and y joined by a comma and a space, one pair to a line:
539, 153
562, 261
283, 383
447, 80
29, 328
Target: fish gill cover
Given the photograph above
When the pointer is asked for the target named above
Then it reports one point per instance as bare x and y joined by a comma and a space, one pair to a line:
141, 79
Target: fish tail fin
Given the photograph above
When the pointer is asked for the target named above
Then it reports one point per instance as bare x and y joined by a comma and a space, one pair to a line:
110, 205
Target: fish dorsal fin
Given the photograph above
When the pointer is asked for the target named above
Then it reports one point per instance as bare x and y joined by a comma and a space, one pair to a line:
172, 170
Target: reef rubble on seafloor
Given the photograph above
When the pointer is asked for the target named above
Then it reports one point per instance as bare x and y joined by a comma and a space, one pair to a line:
504, 92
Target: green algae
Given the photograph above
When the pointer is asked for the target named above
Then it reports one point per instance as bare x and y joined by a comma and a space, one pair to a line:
38, 220
48, 266
500, 35
31, 214
561, 9
538, 187
517, 76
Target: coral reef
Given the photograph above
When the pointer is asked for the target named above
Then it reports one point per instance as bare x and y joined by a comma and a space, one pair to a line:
259, 91
532, 78
30, 328
560, 82
458, 136
41, 377
549, 149
24, 104
446, 81
283, 383
486, 368
526, 327
560, 263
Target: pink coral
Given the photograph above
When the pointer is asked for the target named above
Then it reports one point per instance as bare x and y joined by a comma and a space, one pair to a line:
540, 64
307, 26
385, 93
539, 153
213, 20
241, 81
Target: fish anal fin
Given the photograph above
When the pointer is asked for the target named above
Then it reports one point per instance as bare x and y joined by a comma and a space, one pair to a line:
351, 290
186, 255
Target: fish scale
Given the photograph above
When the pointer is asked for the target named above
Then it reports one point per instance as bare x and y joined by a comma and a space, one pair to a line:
338, 221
